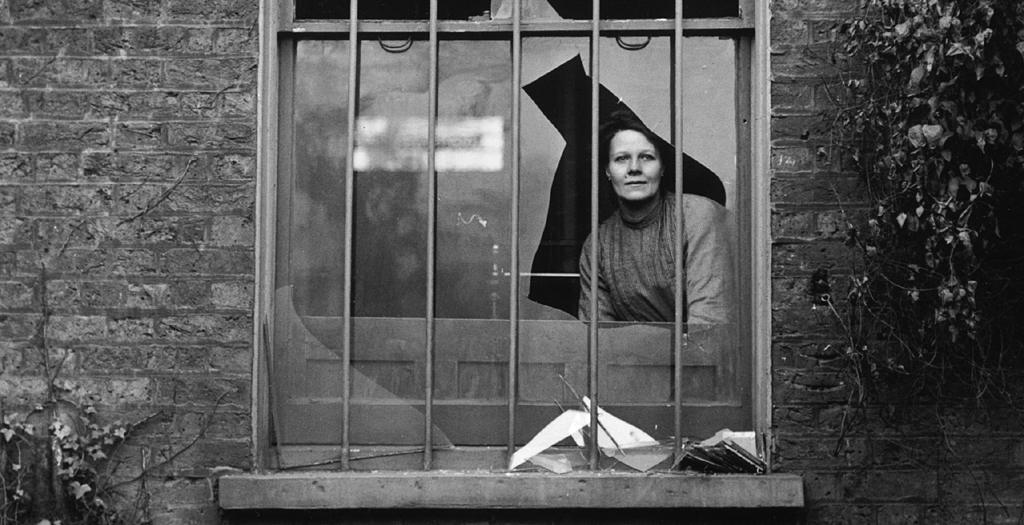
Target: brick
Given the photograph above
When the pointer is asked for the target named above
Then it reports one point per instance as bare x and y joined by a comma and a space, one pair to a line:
150, 359
223, 423
807, 354
66, 72
206, 262
65, 136
844, 514
139, 135
835, 190
235, 41
7, 134
65, 296
59, 167
146, 295
58, 200
231, 167
788, 31
219, 104
133, 166
206, 327
803, 258
803, 61
225, 134
160, 41
45, 41
815, 452
232, 231
16, 232
190, 294
814, 224
76, 328
111, 261
209, 390
16, 167
131, 329
236, 296
15, 295
961, 514
137, 73
111, 390
188, 515
55, 11
9, 199
187, 198
903, 452
212, 11
797, 387
22, 391
134, 11
211, 73
795, 95
12, 104
175, 493
890, 486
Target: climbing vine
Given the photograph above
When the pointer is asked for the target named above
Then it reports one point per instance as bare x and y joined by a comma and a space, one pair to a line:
931, 113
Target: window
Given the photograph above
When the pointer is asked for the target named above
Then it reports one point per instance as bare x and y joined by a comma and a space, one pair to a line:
427, 197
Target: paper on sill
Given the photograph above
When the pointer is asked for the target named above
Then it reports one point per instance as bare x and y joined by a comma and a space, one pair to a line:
616, 438
561, 427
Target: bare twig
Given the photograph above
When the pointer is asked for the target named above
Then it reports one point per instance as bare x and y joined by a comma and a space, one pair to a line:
162, 197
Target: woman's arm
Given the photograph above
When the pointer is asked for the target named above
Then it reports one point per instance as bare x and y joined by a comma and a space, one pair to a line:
709, 262
604, 306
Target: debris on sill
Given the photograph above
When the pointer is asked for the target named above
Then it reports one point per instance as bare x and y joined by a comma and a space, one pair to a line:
725, 452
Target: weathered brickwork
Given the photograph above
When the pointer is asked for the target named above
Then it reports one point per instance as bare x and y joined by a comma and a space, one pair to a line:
127, 147
127, 167
913, 464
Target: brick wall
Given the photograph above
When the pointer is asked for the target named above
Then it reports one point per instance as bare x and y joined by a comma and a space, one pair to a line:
127, 166
901, 462
127, 143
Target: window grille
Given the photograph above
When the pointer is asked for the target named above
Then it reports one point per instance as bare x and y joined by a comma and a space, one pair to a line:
311, 25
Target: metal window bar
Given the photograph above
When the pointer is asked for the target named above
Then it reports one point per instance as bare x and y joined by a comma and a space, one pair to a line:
592, 333
346, 312
678, 328
593, 346
428, 371
513, 307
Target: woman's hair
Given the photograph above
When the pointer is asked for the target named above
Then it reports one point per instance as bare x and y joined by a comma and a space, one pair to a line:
622, 120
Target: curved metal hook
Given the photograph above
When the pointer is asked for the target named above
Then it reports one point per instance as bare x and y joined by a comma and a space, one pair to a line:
395, 48
632, 47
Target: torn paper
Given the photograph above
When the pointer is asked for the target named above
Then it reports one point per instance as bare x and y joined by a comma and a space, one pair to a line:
558, 429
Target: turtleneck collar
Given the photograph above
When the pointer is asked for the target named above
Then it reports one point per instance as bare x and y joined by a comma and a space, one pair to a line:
638, 222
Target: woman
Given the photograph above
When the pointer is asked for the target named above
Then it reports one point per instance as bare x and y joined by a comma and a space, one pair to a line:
636, 250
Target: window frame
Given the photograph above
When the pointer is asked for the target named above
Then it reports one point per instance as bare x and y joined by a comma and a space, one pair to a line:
276, 19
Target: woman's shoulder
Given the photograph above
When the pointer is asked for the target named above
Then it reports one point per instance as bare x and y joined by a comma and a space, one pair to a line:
697, 205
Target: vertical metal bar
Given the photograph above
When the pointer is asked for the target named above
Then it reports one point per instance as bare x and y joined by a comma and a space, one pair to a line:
592, 333
350, 175
513, 292
680, 224
428, 400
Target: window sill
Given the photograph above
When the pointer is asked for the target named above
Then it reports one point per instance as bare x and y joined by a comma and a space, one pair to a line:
455, 490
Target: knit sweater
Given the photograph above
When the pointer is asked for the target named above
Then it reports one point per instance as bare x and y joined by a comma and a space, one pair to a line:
636, 265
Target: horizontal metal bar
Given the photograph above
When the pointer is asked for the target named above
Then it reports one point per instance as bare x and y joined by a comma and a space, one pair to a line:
564, 26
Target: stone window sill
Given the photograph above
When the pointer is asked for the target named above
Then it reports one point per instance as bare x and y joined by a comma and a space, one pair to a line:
477, 490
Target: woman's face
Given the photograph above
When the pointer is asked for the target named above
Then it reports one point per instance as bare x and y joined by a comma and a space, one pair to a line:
634, 166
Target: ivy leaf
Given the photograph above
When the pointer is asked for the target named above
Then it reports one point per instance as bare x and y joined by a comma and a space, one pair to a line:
916, 136
8, 433
1020, 48
79, 490
916, 76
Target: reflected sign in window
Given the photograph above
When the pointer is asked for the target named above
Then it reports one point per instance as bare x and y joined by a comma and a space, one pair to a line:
461, 144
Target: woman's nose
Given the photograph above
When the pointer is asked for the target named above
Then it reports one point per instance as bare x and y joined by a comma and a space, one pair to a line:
634, 165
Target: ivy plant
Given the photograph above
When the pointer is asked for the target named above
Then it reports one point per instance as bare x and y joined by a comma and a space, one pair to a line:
931, 113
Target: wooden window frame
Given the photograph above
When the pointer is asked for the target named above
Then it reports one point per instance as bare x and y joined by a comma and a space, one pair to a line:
264, 488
